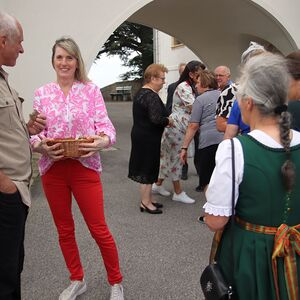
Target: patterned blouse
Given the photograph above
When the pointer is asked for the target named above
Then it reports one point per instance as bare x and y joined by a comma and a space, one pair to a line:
82, 113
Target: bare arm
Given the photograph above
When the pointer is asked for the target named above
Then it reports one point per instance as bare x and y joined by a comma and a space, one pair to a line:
221, 123
189, 135
231, 131
215, 223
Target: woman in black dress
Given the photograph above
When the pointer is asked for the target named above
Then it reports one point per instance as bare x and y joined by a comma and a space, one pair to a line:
150, 117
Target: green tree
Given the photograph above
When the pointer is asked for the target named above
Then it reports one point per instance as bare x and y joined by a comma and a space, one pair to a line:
133, 43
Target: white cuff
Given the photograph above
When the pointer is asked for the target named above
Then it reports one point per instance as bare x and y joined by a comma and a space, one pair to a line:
216, 210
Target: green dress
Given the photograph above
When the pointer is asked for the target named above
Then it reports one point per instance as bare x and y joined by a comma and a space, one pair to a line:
262, 201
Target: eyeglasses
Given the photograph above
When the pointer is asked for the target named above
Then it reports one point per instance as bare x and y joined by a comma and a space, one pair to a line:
220, 75
162, 78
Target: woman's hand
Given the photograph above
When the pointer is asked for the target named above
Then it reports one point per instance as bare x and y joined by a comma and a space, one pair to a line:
183, 156
171, 122
55, 152
100, 142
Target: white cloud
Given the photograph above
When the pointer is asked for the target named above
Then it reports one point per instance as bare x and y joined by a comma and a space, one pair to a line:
106, 70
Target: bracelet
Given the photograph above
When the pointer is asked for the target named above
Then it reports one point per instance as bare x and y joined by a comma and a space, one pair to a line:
183, 148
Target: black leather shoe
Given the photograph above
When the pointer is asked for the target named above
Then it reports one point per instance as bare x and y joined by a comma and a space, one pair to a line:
157, 205
144, 208
201, 219
199, 188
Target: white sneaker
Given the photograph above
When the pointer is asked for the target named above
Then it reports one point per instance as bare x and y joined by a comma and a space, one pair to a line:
75, 289
117, 292
183, 197
159, 189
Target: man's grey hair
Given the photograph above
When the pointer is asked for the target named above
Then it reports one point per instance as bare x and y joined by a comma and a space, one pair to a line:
8, 25
265, 78
225, 68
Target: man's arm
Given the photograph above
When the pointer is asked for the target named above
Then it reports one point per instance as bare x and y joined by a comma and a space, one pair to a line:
224, 105
232, 128
221, 123
6, 184
37, 123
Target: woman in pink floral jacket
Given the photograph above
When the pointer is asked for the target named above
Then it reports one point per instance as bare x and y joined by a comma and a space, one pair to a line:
75, 108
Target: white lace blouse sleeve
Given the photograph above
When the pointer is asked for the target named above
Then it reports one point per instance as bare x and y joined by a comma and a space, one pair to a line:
218, 194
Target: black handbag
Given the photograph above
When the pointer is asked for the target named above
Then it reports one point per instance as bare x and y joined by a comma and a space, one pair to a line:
213, 284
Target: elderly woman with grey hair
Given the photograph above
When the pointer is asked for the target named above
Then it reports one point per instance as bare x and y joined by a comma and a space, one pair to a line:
264, 258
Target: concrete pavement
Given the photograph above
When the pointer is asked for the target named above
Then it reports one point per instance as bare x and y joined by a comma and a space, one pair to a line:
161, 256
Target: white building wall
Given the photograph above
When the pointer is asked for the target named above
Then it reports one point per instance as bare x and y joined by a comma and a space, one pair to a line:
171, 57
286, 12
91, 22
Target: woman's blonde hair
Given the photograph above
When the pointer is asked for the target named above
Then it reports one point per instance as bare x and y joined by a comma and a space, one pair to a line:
69, 45
153, 70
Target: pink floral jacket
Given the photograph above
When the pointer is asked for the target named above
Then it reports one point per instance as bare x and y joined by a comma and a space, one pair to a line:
81, 114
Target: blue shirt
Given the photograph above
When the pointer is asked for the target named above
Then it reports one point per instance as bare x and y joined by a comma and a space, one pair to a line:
235, 118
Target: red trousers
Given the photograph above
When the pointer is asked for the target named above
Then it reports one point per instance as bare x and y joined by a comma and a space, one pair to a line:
67, 177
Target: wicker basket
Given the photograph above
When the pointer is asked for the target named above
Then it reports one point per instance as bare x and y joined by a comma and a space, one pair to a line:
70, 146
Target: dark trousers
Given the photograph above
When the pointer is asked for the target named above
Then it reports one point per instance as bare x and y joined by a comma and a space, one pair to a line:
197, 152
206, 164
13, 214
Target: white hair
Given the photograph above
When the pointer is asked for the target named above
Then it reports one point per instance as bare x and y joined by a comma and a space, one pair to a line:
253, 49
265, 78
8, 25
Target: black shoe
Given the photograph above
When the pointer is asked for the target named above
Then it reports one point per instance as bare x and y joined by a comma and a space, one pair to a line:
144, 208
201, 219
199, 188
157, 205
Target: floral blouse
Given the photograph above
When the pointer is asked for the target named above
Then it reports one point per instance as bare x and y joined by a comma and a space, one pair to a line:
82, 113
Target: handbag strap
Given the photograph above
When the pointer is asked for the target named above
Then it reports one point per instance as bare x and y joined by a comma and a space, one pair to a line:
233, 182
232, 220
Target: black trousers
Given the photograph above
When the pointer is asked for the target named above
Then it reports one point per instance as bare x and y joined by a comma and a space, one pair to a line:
206, 164
13, 214
197, 152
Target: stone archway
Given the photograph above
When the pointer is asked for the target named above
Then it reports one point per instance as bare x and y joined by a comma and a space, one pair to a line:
215, 30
